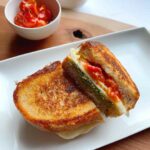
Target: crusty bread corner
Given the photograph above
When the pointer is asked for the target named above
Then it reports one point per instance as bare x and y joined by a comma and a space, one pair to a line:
49, 101
99, 54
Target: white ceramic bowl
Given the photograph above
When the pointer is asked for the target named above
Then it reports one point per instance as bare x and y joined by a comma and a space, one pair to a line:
70, 4
38, 33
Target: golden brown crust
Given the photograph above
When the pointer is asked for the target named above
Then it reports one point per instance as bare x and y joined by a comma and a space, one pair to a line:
49, 100
68, 124
99, 54
46, 69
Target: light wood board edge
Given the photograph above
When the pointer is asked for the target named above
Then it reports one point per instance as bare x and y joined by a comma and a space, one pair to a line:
97, 20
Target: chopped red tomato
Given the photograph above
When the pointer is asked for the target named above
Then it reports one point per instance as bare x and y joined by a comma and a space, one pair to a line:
29, 6
44, 14
31, 15
40, 23
98, 74
26, 21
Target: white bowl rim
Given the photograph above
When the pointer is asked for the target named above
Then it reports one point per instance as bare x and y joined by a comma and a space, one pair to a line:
36, 28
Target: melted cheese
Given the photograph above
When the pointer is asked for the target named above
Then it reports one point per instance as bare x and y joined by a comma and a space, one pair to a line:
101, 86
81, 130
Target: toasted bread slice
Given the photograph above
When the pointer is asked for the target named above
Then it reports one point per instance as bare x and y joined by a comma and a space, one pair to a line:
99, 54
99, 57
50, 101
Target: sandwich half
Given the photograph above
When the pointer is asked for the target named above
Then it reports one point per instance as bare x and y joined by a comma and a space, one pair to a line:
100, 75
50, 101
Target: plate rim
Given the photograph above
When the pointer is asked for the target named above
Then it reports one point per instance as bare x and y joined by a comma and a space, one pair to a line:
142, 127
75, 42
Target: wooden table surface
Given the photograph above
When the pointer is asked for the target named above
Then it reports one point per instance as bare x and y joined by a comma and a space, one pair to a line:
139, 141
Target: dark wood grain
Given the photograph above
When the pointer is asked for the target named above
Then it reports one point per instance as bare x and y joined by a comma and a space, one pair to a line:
13, 45
139, 141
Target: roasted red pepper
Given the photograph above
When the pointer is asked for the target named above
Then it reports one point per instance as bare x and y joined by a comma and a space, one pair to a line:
95, 72
98, 74
32, 15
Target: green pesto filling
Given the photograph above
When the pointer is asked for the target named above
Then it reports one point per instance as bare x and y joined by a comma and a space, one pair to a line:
87, 86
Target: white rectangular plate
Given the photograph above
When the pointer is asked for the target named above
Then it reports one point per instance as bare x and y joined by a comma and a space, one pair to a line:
131, 47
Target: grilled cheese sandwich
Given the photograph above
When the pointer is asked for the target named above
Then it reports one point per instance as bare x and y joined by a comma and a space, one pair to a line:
50, 101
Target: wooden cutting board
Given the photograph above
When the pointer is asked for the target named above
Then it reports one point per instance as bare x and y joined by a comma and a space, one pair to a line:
74, 26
